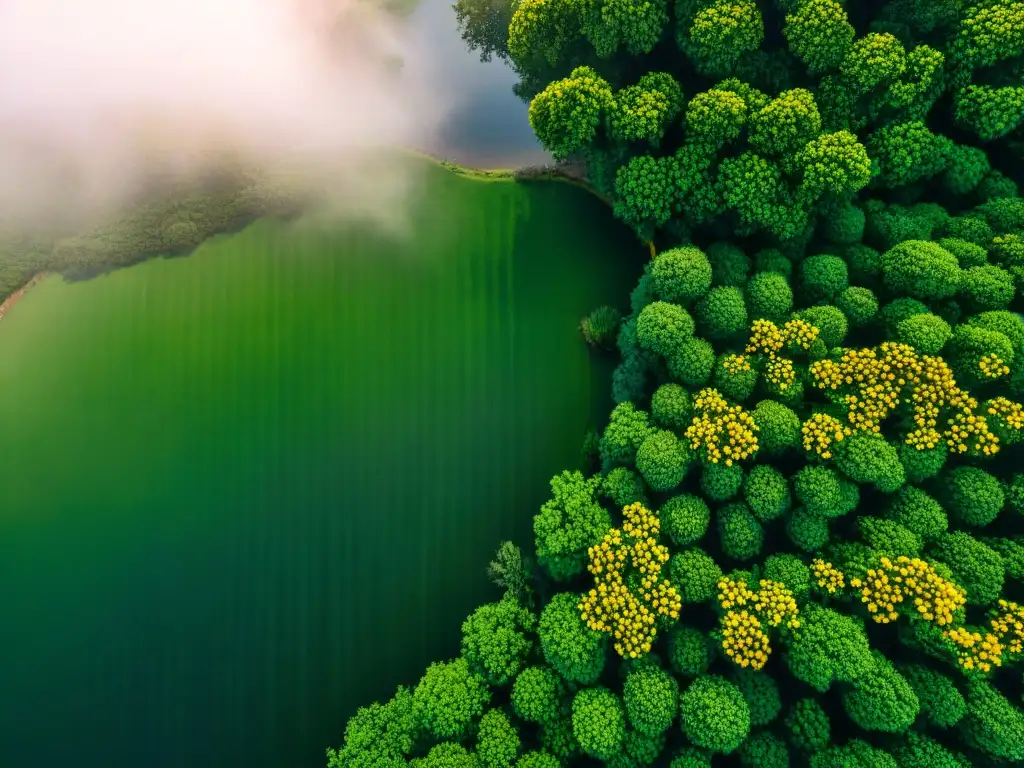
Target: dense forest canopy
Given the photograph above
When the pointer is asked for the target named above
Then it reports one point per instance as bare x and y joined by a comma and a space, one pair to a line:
800, 538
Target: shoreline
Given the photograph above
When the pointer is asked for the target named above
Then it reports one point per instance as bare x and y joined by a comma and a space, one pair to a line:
19, 294
568, 173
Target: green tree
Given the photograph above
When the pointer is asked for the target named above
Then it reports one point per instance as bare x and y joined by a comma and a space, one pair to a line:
537, 694
496, 640
567, 114
448, 698
572, 649
714, 714
819, 33
569, 523
497, 740
652, 699
598, 722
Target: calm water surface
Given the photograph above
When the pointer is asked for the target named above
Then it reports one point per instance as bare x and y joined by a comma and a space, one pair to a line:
488, 127
245, 491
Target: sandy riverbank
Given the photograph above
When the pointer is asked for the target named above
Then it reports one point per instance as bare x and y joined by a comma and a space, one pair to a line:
13, 299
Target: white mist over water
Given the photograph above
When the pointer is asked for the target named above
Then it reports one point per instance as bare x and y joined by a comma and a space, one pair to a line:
98, 98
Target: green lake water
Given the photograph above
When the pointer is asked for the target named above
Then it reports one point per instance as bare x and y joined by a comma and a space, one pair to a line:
244, 491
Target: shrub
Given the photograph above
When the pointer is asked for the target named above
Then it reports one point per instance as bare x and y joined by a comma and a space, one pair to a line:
823, 492
830, 647
888, 536
973, 496
722, 312
941, 702
720, 482
789, 570
741, 535
573, 650
448, 755
537, 694
694, 574
681, 274
663, 327
663, 460
764, 750
671, 406
601, 327
858, 304
497, 741
769, 295
598, 722
975, 567
778, 427
623, 486
729, 265
823, 277
870, 459
448, 698
692, 362
627, 428
920, 465
806, 530
987, 287
496, 640
652, 699
918, 512
807, 725
766, 492
569, 523
926, 333
921, 269
733, 383
830, 322
690, 651
714, 714
685, 519
538, 760
761, 693
919, 751
773, 260
881, 699
992, 724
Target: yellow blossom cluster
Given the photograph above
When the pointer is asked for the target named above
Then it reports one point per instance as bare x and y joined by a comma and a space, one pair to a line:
872, 383
780, 372
992, 366
935, 600
765, 338
743, 634
732, 593
776, 604
1011, 414
976, 651
1008, 624
799, 333
612, 606
735, 364
726, 432
828, 577
744, 640
821, 432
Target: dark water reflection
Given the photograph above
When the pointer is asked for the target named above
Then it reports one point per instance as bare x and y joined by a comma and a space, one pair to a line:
488, 128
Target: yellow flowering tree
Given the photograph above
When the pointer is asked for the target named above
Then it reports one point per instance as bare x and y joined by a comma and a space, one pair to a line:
748, 615
629, 593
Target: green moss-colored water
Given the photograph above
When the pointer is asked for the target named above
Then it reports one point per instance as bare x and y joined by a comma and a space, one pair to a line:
245, 491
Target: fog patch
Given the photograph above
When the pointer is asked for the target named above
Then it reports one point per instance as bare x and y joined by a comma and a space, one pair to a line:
107, 101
